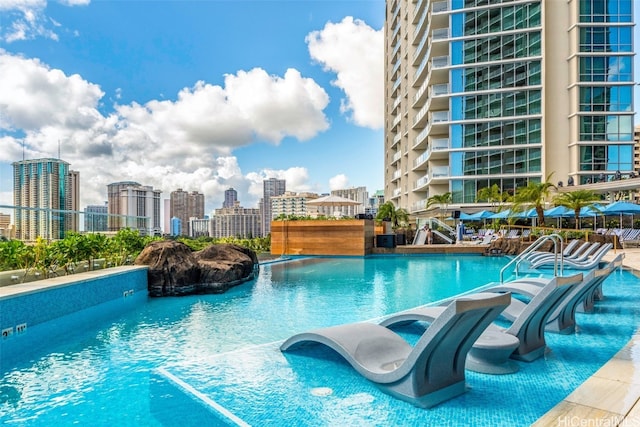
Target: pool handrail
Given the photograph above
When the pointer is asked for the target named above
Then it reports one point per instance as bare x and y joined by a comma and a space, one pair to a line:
535, 245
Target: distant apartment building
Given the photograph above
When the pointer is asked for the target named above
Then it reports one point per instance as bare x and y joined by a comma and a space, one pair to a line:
291, 203
230, 198
96, 218
482, 92
185, 205
45, 188
357, 194
175, 227
272, 187
134, 206
235, 222
200, 227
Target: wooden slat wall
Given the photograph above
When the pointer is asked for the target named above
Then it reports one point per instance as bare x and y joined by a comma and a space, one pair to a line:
322, 237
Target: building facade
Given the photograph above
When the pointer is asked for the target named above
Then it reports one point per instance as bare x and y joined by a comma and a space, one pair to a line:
42, 188
96, 218
291, 203
481, 92
235, 222
134, 206
271, 187
230, 198
6, 230
358, 194
185, 205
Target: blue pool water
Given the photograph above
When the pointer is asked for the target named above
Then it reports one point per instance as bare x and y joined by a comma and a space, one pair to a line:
179, 361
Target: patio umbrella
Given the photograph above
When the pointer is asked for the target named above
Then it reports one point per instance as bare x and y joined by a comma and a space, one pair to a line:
621, 208
501, 215
332, 202
559, 212
481, 215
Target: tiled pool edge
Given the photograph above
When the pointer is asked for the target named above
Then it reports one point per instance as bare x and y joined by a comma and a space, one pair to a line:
29, 304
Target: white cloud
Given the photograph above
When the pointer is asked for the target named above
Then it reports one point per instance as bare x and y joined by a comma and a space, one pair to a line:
355, 52
24, 20
169, 144
339, 182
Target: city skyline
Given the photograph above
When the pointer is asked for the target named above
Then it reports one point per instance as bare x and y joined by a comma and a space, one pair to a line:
124, 102
204, 96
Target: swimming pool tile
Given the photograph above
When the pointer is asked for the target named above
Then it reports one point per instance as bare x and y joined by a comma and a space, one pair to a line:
568, 413
606, 394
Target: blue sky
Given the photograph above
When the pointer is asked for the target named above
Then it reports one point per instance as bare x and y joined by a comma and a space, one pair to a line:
198, 95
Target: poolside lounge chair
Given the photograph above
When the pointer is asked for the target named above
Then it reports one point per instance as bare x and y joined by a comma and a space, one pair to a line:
522, 340
425, 375
591, 262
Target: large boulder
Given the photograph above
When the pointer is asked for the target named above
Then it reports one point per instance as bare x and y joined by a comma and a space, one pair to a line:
174, 269
223, 266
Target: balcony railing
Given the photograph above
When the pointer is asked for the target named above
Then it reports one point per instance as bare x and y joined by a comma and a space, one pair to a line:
440, 34
440, 62
439, 90
440, 6
439, 116
439, 144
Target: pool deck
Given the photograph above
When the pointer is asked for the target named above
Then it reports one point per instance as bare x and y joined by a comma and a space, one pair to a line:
611, 397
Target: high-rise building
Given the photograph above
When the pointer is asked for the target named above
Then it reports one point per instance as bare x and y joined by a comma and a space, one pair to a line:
135, 206
73, 201
271, 187
96, 218
482, 92
116, 222
230, 198
235, 222
43, 186
185, 205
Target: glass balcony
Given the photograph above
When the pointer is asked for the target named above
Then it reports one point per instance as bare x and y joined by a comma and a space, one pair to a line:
440, 34
440, 6
439, 90
440, 62
439, 116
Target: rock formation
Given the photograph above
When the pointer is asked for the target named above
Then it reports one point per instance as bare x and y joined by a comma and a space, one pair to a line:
174, 269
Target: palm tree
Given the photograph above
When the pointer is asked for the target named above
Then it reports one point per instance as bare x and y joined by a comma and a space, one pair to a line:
534, 194
492, 195
388, 211
441, 199
576, 200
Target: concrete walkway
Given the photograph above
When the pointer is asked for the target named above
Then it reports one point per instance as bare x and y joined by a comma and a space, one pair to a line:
611, 397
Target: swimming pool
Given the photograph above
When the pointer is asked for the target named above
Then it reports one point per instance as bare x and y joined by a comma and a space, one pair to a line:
168, 359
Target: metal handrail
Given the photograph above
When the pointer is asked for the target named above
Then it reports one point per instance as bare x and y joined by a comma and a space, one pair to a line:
522, 256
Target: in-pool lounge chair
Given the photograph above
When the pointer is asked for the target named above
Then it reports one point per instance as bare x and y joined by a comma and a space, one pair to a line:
425, 375
579, 254
522, 340
595, 291
591, 262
